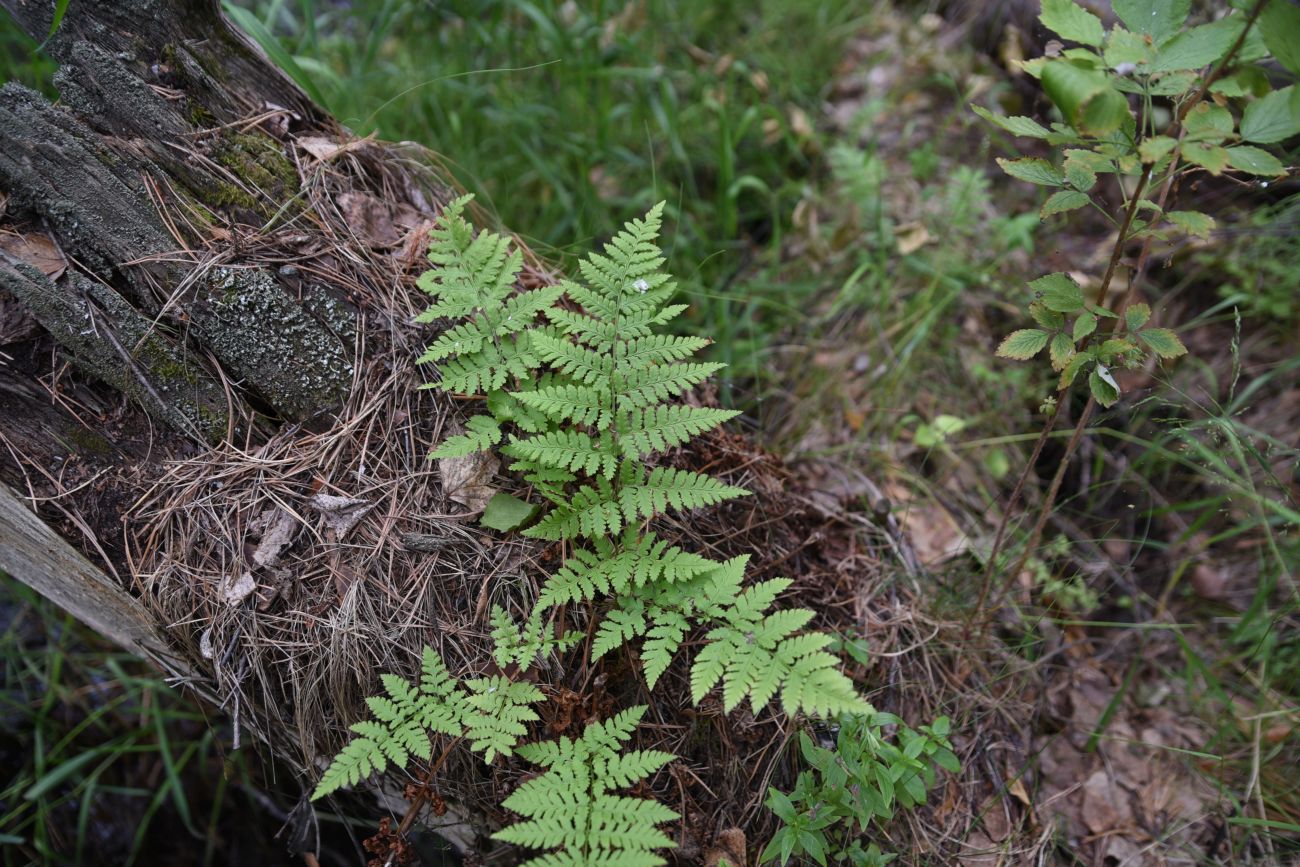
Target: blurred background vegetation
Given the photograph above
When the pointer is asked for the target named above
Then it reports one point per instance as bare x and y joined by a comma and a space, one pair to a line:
841, 230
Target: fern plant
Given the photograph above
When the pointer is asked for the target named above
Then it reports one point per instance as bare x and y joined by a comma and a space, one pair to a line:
572, 807
583, 394
491, 712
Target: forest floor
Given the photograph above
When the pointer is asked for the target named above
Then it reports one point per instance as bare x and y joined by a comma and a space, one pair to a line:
1134, 695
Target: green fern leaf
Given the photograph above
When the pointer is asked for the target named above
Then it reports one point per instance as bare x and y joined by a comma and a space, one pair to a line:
570, 807
481, 433
658, 428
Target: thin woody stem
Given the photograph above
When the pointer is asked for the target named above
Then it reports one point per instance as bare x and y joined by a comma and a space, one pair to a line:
1179, 132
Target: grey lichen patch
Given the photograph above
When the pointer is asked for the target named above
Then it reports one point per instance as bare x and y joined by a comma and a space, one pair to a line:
103, 90
268, 342
112, 342
336, 315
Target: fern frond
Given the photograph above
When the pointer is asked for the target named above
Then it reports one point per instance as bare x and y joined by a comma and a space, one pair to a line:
566, 450
481, 433
756, 654
584, 365
644, 431
667, 487
619, 627
642, 352
592, 512
579, 404
639, 561
359, 759
521, 645
662, 382
497, 712
570, 807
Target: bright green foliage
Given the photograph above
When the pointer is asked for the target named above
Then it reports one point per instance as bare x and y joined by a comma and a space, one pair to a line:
481, 433
473, 281
573, 807
755, 653
853, 785
402, 720
490, 712
1104, 87
522, 645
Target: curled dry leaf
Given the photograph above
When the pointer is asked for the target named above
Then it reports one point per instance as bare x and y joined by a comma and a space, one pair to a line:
341, 514
236, 590
281, 527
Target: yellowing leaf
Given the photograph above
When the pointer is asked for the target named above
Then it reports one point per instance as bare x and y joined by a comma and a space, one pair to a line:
1023, 344
1061, 350
1212, 158
1136, 316
1192, 222
1162, 342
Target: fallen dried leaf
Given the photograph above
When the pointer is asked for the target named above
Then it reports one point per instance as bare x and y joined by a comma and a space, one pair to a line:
280, 530
36, 249
465, 480
340, 514
237, 590
912, 237
728, 849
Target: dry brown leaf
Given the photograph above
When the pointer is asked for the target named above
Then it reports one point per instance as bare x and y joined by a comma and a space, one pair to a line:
465, 479
341, 514
319, 147
935, 535
1105, 805
236, 590
36, 249
728, 849
281, 527
912, 237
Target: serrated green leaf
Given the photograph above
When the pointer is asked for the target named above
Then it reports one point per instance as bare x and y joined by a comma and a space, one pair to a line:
1022, 126
1123, 47
1070, 21
1083, 326
1200, 46
1279, 24
1062, 201
1160, 19
1103, 386
1086, 98
1208, 122
1153, 149
1211, 157
1060, 350
1162, 342
1058, 292
1072, 369
1272, 118
1192, 222
1023, 344
505, 512
1255, 161
1082, 177
1049, 319
1136, 316
1033, 170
